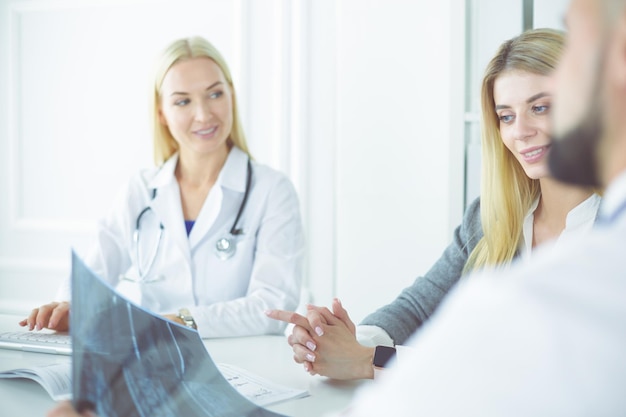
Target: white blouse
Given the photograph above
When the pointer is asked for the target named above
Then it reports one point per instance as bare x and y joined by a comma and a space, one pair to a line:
579, 221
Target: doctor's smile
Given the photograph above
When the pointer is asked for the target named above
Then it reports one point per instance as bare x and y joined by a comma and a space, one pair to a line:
206, 133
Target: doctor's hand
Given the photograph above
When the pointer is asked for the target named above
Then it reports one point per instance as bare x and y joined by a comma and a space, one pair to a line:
65, 409
325, 343
175, 318
55, 316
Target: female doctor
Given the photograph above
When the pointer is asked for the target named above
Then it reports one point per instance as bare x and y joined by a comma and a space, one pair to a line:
208, 238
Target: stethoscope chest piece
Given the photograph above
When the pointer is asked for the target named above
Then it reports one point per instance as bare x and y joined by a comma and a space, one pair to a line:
225, 248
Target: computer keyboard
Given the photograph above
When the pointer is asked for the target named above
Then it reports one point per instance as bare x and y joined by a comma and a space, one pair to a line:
57, 343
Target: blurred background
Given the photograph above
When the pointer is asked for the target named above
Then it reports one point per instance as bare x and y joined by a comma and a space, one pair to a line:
371, 107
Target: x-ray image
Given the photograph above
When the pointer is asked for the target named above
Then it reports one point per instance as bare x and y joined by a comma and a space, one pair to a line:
128, 362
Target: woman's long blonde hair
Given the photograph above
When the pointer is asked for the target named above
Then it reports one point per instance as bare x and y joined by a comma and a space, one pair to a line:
194, 47
507, 193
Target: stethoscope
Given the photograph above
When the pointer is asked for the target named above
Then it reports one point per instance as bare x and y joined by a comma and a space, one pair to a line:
225, 247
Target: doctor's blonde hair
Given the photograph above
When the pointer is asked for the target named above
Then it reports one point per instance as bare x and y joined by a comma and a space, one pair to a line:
507, 193
195, 47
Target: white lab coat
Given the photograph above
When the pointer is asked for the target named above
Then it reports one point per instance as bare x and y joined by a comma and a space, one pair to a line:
225, 297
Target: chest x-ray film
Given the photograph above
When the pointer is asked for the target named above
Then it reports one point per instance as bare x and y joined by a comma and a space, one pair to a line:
127, 361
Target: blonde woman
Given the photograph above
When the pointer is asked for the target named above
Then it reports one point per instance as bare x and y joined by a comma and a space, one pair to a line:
523, 206
520, 208
209, 238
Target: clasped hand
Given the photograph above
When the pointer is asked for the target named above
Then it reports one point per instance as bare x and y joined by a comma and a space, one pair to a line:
325, 342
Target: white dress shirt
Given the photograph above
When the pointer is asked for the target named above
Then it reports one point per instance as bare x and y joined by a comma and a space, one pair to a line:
543, 338
225, 297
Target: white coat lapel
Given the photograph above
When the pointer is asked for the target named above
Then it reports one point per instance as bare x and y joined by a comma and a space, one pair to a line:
167, 206
232, 176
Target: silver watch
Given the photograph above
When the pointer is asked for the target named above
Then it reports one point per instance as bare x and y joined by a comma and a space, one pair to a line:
185, 316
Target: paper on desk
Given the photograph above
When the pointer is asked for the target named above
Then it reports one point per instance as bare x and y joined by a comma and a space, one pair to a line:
56, 378
258, 390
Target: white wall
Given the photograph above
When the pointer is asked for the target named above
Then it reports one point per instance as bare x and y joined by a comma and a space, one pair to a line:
360, 102
550, 13
395, 137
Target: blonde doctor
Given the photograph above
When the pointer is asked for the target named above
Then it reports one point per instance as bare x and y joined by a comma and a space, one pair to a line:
209, 238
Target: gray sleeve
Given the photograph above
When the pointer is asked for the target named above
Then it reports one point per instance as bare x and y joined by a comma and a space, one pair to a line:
416, 303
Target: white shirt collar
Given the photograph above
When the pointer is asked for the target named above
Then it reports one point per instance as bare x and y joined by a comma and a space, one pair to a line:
583, 214
614, 197
527, 230
580, 219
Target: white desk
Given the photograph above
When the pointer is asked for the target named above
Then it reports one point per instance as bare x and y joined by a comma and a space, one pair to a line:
267, 356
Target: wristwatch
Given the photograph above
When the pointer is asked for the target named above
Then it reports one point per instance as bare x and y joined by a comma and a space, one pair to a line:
382, 355
185, 316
